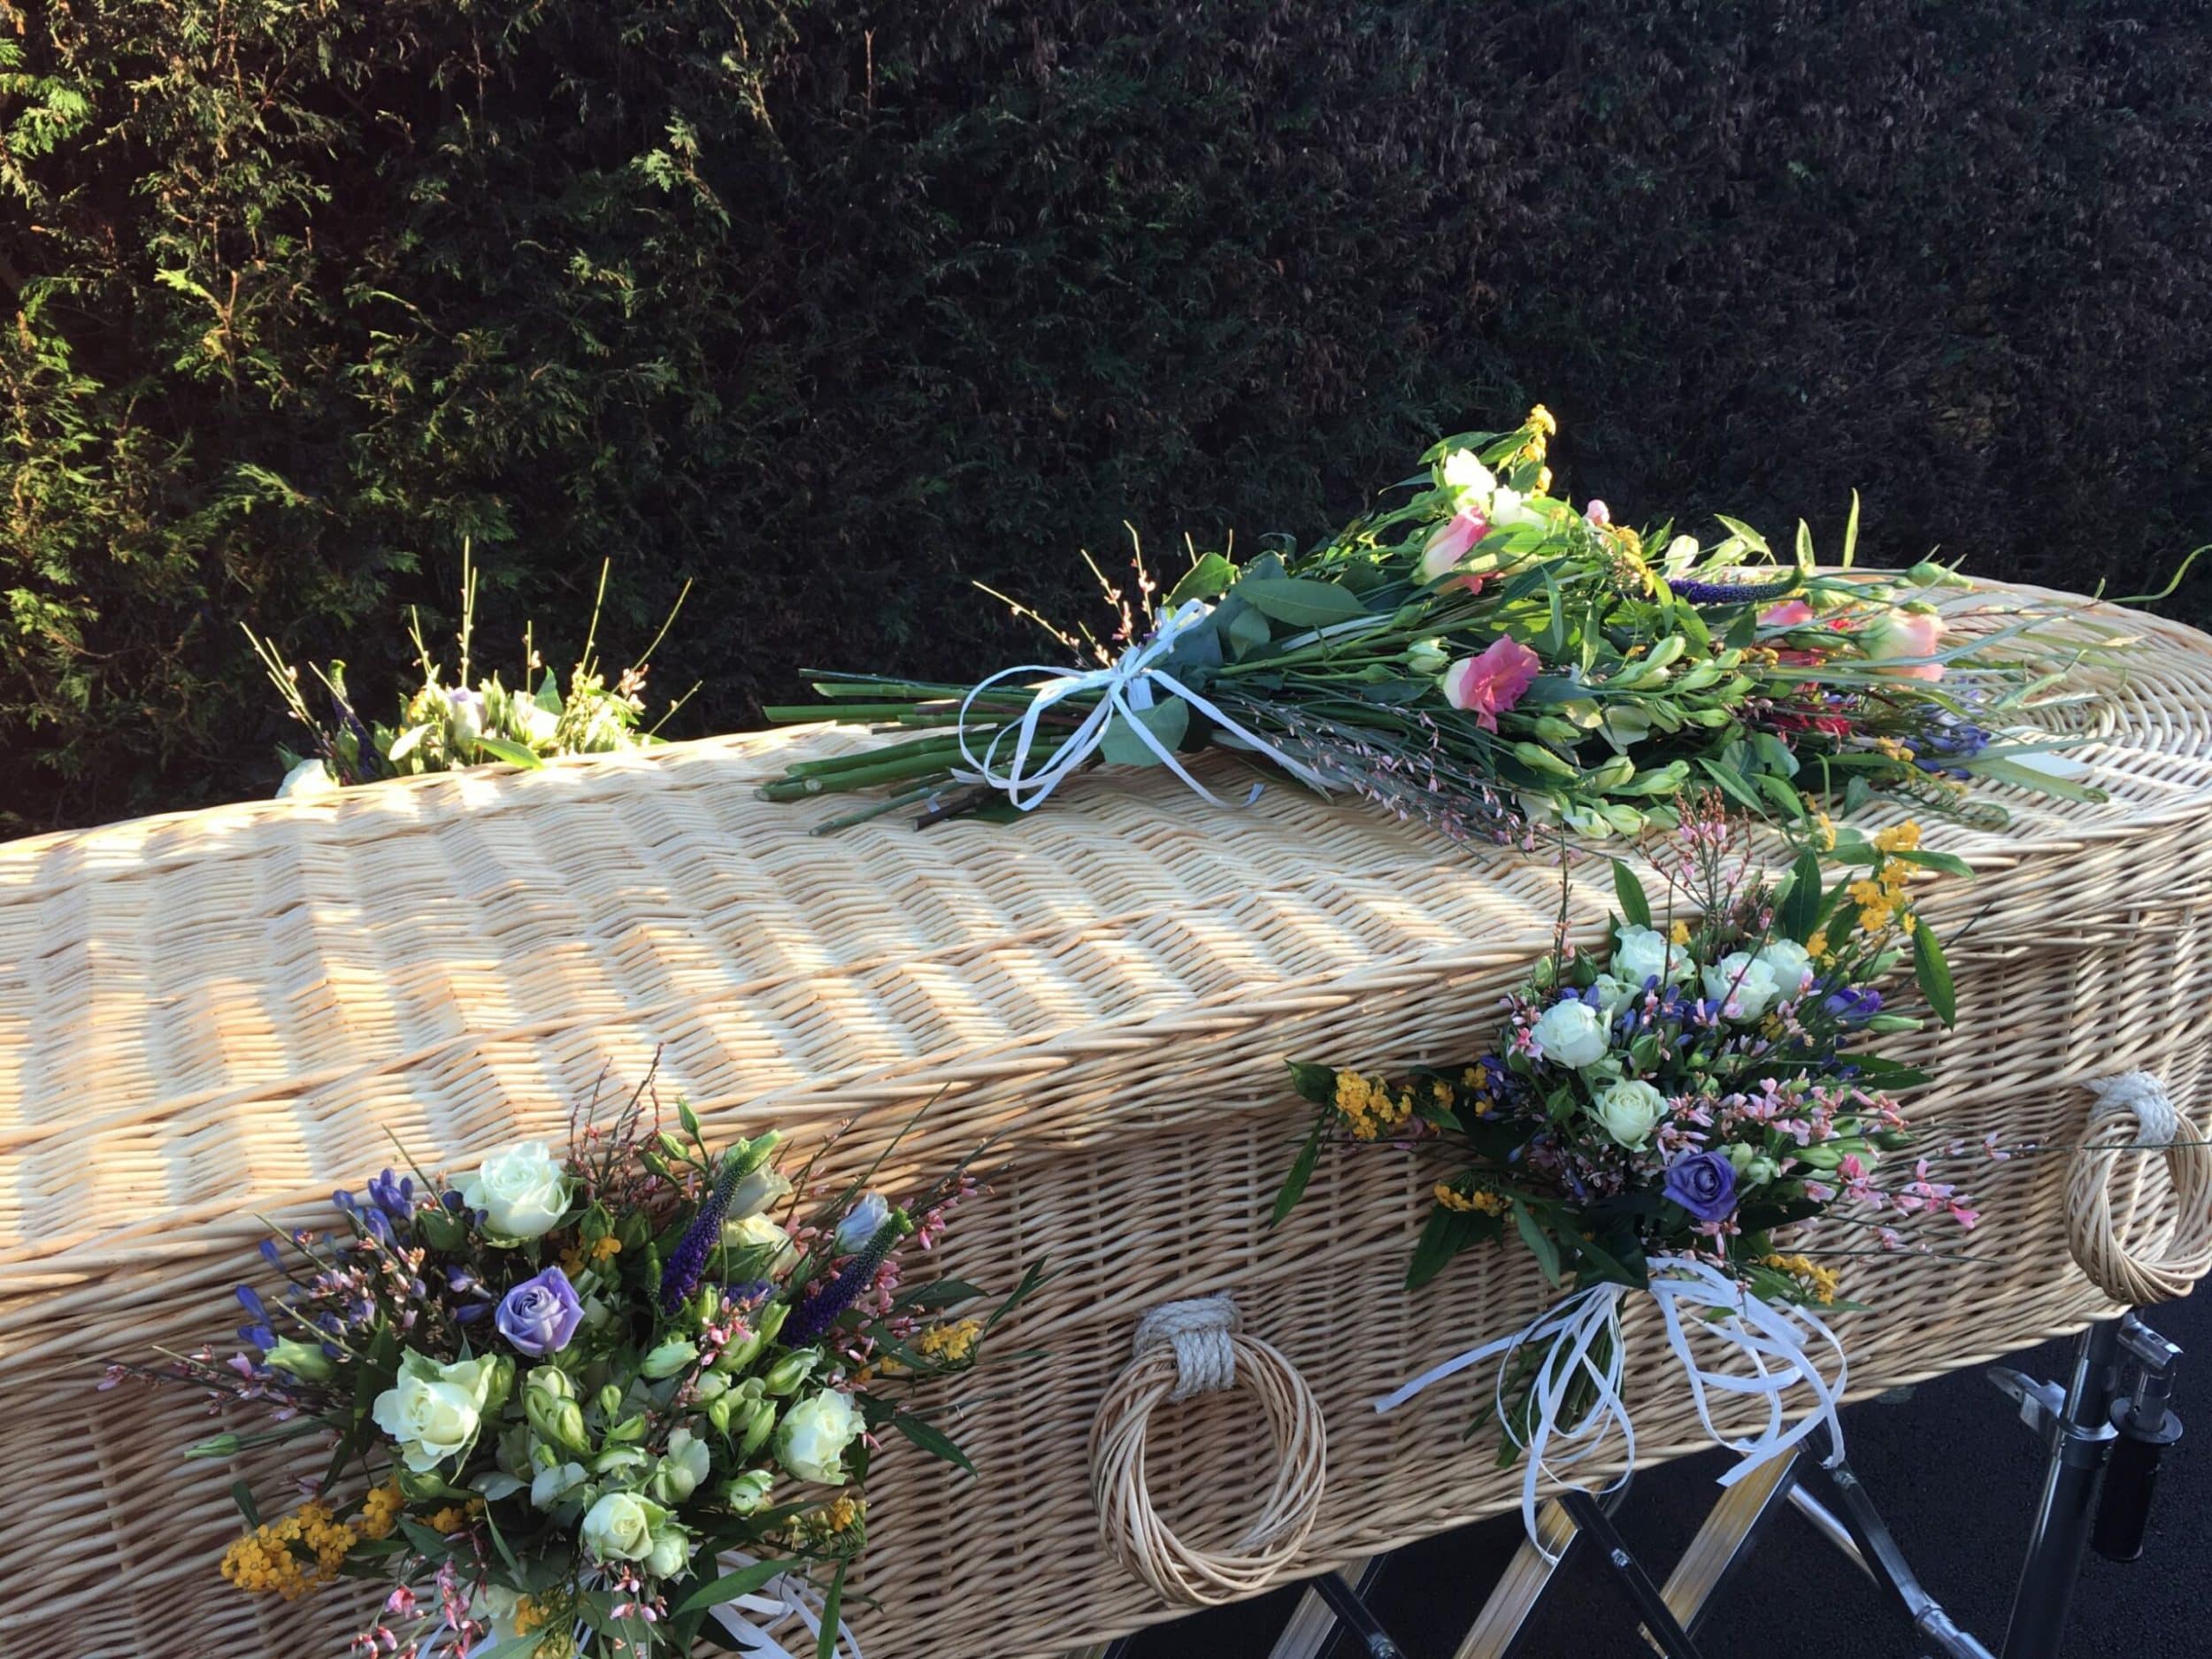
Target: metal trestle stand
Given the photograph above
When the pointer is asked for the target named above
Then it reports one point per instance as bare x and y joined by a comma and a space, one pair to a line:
2104, 1435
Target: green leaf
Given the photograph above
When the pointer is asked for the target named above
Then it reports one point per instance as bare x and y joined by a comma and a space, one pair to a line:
1950, 863
1734, 783
513, 754
2029, 778
1299, 602
833, 1603
241, 1494
1294, 1188
1635, 906
1799, 912
1168, 722
1208, 578
1315, 1083
932, 1439
1933, 974
1540, 1244
728, 1588
1445, 1235
1245, 628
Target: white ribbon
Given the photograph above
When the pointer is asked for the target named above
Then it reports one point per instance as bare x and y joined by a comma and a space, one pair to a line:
1582, 1335
784, 1598
1127, 688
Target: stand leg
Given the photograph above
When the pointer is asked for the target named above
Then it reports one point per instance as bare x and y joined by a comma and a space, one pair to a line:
1660, 1624
2079, 1437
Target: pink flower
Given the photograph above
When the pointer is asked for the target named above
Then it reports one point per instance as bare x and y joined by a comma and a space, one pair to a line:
1492, 683
1598, 512
1905, 634
1791, 613
1451, 542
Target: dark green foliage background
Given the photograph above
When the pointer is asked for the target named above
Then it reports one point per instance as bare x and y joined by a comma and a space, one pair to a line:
838, 307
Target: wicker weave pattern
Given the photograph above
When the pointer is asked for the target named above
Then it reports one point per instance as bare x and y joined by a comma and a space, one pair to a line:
214, 1014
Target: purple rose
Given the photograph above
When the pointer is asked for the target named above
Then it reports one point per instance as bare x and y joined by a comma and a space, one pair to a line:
541, 1313
1703, 1183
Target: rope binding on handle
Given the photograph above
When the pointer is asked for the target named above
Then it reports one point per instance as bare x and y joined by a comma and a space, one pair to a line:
2135, 1243
1182, 1349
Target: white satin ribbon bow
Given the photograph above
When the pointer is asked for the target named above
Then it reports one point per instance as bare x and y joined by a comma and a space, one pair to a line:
1127, 690
1582, 1335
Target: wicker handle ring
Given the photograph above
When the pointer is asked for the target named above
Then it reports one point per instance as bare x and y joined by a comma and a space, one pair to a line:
2114, 1224
1184, 1349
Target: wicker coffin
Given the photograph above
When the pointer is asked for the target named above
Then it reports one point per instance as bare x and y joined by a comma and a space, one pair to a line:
208, 1016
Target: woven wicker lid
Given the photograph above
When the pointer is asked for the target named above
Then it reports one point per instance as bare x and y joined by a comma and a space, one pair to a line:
210, 1014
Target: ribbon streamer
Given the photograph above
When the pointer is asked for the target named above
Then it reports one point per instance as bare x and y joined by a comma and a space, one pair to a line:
1582, 1339
1126, 690
751, 1620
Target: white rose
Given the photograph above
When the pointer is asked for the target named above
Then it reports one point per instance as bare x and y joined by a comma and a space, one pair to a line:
811, 1441
539, 726
1790, 964
1464, 473
1742, 983
1643, 954
620, 1527
1629, 1112
308, 778
759, 1233
763, 1187
431, 1411
523, 1191
1572, 1033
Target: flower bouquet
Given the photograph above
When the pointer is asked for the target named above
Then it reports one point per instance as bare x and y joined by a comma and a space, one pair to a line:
609, 1402
1481, 654
444, 727
1654, 1118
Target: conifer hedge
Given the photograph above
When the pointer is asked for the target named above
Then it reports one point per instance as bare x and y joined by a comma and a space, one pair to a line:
838, 307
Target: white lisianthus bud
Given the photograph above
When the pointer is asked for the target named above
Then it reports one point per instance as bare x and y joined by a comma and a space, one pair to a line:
553, 1484
750, 1491
1742, 985
1571, 1034
1615, 995
755, 1192
1629, 1111
465, 718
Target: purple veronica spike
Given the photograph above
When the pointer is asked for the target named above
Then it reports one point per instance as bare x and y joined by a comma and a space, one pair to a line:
687, 1262
1731, 593
811, 1321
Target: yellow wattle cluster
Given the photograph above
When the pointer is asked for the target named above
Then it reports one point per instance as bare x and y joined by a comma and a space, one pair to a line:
454, 1516
1881, 896
380, 1510
1820, 1283
1480, 1203
841, 1514
290, 1557
1369, 1106
579, 1256
949, 1344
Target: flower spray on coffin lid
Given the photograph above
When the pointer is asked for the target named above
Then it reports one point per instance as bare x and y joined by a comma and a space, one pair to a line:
593, 1400
1482, 656
1659, 1116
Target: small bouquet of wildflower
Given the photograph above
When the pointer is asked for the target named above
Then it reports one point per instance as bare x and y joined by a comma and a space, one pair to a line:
1652, 1118
591, 1404
443, 725
1481, 655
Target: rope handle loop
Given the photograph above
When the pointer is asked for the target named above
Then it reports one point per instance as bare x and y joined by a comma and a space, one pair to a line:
1183, 1349
2136, 1243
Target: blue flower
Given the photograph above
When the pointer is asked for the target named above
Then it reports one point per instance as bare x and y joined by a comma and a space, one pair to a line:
395, 1197
1703, 1183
